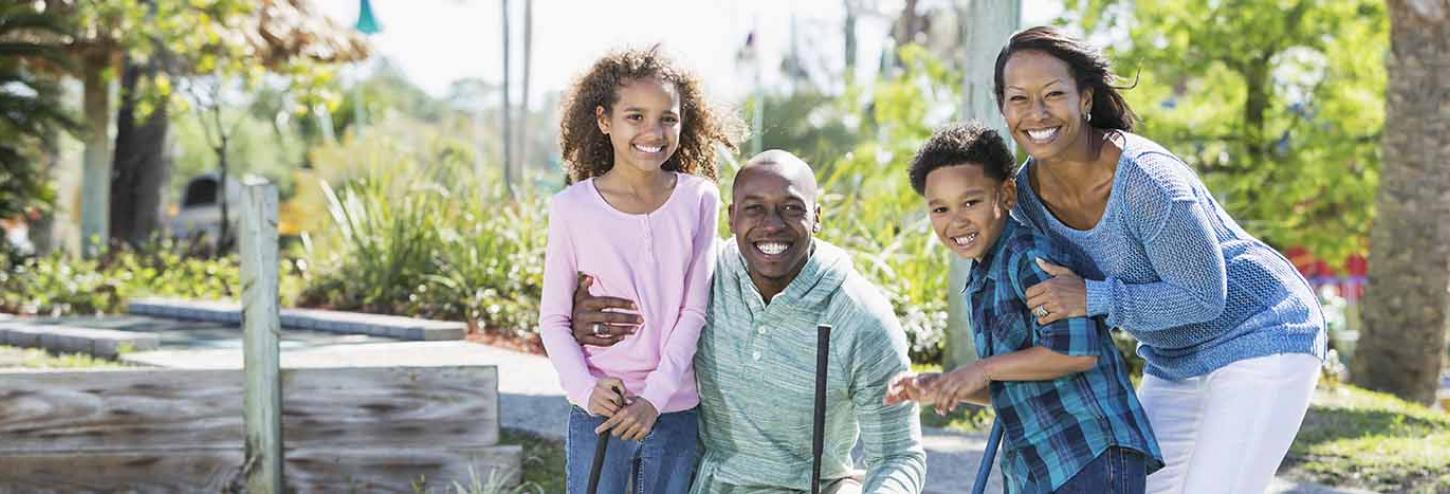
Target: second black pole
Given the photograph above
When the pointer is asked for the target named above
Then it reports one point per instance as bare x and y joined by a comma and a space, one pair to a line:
818, 428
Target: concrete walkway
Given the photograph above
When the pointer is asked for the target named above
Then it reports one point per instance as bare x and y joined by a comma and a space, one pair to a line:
531, 399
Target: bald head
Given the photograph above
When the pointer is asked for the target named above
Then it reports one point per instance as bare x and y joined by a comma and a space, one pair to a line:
779, 164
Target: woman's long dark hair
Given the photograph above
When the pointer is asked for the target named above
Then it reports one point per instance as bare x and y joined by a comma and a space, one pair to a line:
1089, 69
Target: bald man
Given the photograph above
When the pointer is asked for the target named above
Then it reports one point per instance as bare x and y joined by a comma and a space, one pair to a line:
755, 365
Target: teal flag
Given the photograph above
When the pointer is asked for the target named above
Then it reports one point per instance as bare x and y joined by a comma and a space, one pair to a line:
366, 23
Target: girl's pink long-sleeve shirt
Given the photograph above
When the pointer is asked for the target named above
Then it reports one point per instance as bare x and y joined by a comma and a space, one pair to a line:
662, 260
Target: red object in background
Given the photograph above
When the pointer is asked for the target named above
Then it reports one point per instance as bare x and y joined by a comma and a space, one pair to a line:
1349, 279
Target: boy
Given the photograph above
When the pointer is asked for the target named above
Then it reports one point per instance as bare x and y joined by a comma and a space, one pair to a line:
1072, 422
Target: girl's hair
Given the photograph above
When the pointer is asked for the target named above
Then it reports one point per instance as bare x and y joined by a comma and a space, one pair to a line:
588, 152
1088, 66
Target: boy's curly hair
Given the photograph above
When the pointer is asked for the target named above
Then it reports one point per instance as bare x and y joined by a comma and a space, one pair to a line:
962, 144
588, 153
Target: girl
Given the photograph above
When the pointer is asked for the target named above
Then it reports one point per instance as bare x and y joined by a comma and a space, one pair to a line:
639, 221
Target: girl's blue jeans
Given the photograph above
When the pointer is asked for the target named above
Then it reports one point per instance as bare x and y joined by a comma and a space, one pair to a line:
663, 463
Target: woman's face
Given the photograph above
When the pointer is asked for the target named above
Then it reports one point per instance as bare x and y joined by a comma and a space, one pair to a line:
1044, 110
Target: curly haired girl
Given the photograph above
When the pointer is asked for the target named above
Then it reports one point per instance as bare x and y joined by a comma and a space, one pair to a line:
638, 222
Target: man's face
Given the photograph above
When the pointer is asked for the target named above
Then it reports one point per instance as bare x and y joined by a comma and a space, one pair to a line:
773, 217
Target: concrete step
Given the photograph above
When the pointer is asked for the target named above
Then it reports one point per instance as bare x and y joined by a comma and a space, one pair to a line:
403, 328
106, 343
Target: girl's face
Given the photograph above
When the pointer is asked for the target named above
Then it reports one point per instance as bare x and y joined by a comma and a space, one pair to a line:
1044, 110
644, 126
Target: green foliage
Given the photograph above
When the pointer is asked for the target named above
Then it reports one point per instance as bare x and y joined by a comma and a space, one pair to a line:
817, 127
58, 284
870, 210
31, 112
1357, 438
1277, 103
415, 232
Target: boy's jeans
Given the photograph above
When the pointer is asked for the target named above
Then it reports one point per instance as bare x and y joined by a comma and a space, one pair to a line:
663, 463
1116, 471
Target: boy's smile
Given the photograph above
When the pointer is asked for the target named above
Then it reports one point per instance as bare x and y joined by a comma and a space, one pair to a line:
968, 208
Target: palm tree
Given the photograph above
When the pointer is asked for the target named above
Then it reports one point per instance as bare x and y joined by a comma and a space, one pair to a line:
30, 108
1405, 306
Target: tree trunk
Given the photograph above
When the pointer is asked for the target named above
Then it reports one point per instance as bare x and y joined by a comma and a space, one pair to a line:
42, 230
96, 177
143, 165
223, 241
983, 29
523, 146
850, 36
508, 143
1403, 340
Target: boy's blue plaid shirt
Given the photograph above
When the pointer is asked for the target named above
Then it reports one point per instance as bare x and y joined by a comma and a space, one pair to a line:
1052, 428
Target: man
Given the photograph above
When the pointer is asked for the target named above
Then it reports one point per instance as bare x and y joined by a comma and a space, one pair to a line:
756, 361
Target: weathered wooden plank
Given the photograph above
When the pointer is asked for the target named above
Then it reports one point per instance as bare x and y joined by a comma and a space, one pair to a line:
262, 393
377, 469
161, 471
163, 409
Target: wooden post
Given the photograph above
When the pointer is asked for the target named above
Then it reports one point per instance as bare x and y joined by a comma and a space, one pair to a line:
986, 26
262, 406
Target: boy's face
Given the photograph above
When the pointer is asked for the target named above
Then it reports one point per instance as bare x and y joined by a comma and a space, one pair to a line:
968, 208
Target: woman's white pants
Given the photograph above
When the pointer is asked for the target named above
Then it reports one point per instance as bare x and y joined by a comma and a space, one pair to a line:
1227, 431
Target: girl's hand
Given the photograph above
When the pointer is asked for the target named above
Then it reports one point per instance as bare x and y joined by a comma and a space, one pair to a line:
909, 387
606, 399
1062, 297
632, 423
958, 386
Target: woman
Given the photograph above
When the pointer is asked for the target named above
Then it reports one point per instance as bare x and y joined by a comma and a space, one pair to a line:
1232, 334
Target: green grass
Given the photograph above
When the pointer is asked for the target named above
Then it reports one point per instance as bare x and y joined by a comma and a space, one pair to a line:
35, 358
543, 460
543, 470
1357, 438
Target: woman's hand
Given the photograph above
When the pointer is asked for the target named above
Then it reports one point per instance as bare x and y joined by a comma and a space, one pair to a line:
1063, 296
632, 423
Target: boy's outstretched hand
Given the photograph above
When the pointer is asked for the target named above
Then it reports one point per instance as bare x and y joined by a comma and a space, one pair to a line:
959, 386
910, 387
965, 384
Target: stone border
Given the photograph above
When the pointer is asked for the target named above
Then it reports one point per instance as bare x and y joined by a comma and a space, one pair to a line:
106, 343
403, 328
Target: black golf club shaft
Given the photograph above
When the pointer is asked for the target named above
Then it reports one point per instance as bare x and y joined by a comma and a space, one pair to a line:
818, 428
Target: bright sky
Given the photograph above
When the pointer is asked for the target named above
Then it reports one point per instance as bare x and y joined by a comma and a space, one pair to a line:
436, 42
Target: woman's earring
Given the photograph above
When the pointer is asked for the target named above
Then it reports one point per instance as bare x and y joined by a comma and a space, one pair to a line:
1089, 117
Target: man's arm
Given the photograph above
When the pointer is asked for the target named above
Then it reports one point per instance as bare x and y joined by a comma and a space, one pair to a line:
890, 434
